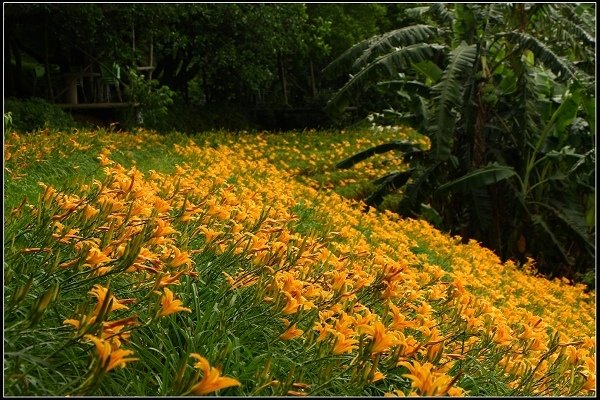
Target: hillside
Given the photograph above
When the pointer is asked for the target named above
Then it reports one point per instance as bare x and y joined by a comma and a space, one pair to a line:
142, 264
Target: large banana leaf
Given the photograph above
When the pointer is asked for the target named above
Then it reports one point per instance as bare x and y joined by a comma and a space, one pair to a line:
428, 69
398, 38
406, 147
364, 52
539, 221
417, 191
481, 177
573, 219
442, 13
448, 92
482, 208
560, 66
386, 66
392, 181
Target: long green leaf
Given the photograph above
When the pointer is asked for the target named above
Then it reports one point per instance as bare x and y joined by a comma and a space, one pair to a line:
482, 205
559, 65
573, 219
386, 66
390, 182
442, 13
428, 69
589, 106
417, 191
416, 12
381, 148
481, 177
343, 63
539, 220
398, 38
448, 97
362, 53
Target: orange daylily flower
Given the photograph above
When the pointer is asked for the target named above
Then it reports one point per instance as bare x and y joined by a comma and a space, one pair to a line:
291, 332
96, 257
343, 344
170, 306
399, 320
212, 379
180, 258
382, 340
377, 377
109, 357
104, 159
163, 228
169, 279
90, 211
502, 335
292, 304
590, 381
240, 280
426, 381
209, 234
77, 324
100, 292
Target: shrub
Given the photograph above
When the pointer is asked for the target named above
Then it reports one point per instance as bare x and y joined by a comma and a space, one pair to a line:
35, 113
152, 99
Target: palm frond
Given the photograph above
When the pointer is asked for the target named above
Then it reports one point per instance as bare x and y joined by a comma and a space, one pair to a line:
442, 13
560, 66
364, 52
479, 178
539, 220
398, 38
386, 66
382, 148
448, 97
387, 183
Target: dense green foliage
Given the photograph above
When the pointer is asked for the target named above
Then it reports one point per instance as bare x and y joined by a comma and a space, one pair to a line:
35, 114
250, 56
506, 94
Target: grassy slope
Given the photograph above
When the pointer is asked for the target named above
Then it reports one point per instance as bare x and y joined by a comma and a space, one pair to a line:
287, 240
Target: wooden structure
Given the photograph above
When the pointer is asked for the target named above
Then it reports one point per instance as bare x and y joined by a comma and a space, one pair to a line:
97, 85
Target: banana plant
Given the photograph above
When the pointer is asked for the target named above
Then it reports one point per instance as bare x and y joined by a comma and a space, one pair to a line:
502, 91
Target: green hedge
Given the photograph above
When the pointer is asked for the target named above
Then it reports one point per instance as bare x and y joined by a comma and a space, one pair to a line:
35, 114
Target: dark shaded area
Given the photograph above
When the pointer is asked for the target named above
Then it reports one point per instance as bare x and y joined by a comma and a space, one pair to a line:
260, 64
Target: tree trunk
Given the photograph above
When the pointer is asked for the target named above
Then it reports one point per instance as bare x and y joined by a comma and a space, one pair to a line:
312, 80
283, 80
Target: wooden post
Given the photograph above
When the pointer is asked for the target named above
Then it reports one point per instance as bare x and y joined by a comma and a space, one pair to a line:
71, 91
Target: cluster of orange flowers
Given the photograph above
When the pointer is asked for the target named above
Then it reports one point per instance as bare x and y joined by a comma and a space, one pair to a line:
128, 231
416, 302
376, 299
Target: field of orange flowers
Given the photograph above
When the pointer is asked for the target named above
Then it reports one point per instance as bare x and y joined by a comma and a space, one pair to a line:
239, 265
